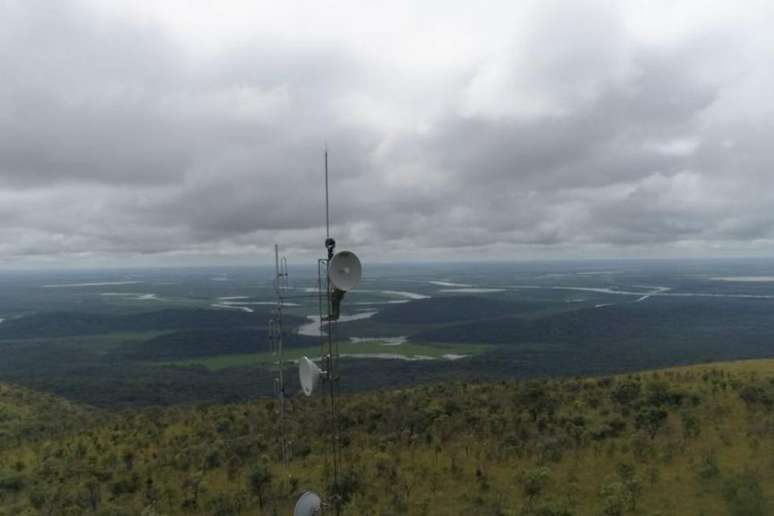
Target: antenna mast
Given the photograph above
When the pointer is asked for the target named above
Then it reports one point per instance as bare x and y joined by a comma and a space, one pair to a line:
276, 338
327, 341
336, 275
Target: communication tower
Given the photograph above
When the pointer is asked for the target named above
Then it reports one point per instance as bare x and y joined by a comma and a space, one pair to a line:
337, 273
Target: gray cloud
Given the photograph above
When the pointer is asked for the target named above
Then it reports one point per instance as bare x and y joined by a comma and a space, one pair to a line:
120, 138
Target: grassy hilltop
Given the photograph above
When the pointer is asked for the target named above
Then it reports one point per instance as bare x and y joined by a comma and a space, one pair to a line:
686, 441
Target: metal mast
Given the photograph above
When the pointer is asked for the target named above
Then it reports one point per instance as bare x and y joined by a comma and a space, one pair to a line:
331, 353
276, 337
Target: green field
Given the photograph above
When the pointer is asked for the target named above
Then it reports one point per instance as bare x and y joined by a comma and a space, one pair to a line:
101, 342
375, 348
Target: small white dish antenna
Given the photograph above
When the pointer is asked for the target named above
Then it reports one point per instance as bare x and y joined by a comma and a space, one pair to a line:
309, 375
310, 504
344, 270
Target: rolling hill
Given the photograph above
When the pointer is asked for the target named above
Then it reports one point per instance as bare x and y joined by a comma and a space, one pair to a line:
693, 440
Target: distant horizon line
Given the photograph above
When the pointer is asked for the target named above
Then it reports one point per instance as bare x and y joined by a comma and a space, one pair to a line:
76, 268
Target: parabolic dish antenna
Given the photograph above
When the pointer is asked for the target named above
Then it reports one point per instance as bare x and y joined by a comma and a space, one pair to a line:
344, 270
309, 504
309, 375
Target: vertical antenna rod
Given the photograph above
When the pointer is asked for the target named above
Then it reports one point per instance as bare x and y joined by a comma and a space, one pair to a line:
330, 245
327, 211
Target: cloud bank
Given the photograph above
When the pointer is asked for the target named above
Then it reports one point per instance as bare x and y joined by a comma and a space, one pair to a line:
190, 133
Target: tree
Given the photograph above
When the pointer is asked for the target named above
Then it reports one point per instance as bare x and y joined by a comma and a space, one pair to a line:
756, 394
259, 479
744, 495
535, 482
538, 400
212, 460
691, 425
90, 495
650, 419
660, 394
615, 499
626, 392
631, 482
348, 483
708, 467
193, 486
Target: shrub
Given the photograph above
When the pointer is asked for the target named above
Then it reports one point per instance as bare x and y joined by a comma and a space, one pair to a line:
743, 494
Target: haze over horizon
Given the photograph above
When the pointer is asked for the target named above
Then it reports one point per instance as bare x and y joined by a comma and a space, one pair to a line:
163, 133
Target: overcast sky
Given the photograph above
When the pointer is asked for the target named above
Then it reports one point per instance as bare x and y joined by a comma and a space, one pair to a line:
141, 133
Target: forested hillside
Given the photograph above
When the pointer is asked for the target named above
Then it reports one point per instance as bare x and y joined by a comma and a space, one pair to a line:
27, 416
697, 440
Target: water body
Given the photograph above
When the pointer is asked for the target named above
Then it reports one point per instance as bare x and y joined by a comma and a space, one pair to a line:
653, 288
244, 303
135, 296
580, 273
663, 292
472, 290
746, 279
653, 291
407, 295
392, 302
387, 356
404, 295
232, 307
450, 284
599, 290
237, 302
94, 284
312, 328
383, 341
398, 356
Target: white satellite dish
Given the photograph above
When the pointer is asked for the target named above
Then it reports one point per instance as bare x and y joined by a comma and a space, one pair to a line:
344, 270
309, 375
310, 504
